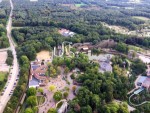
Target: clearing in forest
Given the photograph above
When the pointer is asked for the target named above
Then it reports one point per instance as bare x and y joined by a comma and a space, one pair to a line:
141, 18
3, 75
80, 5
44, 55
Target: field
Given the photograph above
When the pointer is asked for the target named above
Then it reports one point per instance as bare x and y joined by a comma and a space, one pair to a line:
80, 5
40, 100
3, 79
44, 55
3, 75
136, 48
141, 18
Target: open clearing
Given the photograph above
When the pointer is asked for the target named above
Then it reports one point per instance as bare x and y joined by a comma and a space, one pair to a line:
3, 75
141, 18
80, 5
3, 66
137, 49
44, 55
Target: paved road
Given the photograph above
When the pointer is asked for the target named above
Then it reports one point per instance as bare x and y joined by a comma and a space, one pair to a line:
5, 49
135, 105
5, 98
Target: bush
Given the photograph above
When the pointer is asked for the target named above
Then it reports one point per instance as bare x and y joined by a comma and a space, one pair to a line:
9, 61
32, 101
28, 110
65, 94
31, 92
72, 76
57, 96
52, 110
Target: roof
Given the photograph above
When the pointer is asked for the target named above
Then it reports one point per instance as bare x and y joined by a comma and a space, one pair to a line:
34, 67
66, 32
138, 91
63, 107
34, 82
146, 83
85, 47
106, 66
142, 79
38, 71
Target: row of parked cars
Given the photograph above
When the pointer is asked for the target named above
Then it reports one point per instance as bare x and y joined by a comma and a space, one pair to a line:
11, 92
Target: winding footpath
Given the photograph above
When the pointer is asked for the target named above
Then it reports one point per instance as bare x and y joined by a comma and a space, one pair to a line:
15, 68
136, 105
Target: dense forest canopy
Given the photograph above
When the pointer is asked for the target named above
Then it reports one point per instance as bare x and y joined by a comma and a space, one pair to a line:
57, 10
36, 25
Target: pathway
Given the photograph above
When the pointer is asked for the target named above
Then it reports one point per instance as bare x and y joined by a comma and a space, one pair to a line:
15, 68
136, 105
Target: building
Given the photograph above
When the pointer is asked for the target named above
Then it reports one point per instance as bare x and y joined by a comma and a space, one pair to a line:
66, 32
141, 80
83, 47
105, 67
37, 74
148, 70
63, 108
144, 82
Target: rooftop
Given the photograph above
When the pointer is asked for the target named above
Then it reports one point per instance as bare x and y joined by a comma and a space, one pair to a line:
38, 70
142, 79
106, 66
34, 82
138, 91
66, 32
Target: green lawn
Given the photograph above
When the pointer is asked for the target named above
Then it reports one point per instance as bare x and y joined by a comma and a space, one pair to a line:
3, 75
141, 18
40, 100
135, 48
3, 79
79, 5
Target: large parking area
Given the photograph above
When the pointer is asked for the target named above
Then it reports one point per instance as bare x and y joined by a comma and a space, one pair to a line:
3, 66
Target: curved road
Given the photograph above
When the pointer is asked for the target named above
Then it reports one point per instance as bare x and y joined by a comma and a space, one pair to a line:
136, 105
15, 68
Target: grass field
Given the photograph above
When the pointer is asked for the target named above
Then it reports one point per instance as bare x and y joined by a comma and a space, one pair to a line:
40, 100
3, 75
135, 48
3, 79
79, 5
141, 18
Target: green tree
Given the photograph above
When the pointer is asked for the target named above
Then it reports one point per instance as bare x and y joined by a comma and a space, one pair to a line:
138, 67
52, 88
52, 71
52, 110
40, 90
32, 101
121, 47
65, 94
9, 61
28, 110
57, 96
86, 109
31, 91
66, 70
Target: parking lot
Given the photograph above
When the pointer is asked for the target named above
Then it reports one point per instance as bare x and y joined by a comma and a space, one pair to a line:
3, 66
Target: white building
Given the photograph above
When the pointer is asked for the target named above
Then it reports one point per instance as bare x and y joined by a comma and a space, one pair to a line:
63, 108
